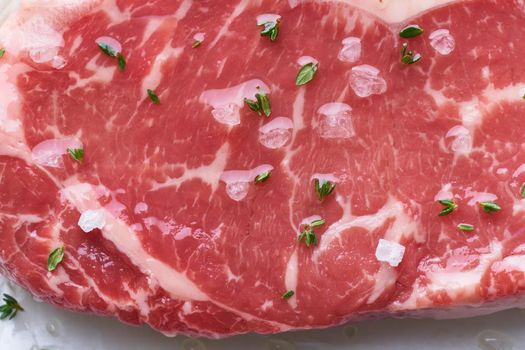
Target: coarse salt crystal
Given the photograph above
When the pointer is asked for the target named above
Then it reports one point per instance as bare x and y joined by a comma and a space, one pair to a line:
91, 219
390, 252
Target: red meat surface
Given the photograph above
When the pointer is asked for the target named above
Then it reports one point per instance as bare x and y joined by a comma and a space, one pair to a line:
190, 244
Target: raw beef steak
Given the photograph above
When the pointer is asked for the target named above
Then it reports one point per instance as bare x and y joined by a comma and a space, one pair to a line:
169, 218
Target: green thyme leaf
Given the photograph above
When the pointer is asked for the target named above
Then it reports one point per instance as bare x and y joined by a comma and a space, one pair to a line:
446, 211
490, 207
261, 104
323, 188
308, 234
271, 30
55, 258
317, 223
153, 96
411, 31
264, 103
254, 105
10, 309
107, 49
121, 62
447, 202
288, 294
408, 57
306, 73
262, 177
76, 153
449, 205
310, 238
196, 44
2, 52
522, 191
465, 227
111, 52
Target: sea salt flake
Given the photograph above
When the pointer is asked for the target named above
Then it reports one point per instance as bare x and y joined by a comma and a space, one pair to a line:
390, 252
442, 41
366, 81
227, 114
335, 121
351, 50
91, 219
237, 190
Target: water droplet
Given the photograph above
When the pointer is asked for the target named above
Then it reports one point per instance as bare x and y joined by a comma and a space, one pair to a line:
350, 332
53, 327
351, 50
494, 340
279, 344
365, 81
34, 347
237, 190
193, 344
442, 41
227, 114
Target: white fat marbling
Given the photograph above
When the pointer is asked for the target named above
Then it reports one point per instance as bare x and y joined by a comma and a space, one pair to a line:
290, 277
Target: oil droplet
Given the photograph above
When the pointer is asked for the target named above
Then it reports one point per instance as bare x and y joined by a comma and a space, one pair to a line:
494, 340
350, 332
279, 344
53, 327
193, 344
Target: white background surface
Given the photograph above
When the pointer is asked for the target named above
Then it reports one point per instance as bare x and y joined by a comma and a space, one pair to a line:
42, 326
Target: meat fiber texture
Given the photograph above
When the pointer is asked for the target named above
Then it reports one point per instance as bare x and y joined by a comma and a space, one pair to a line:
181, 238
